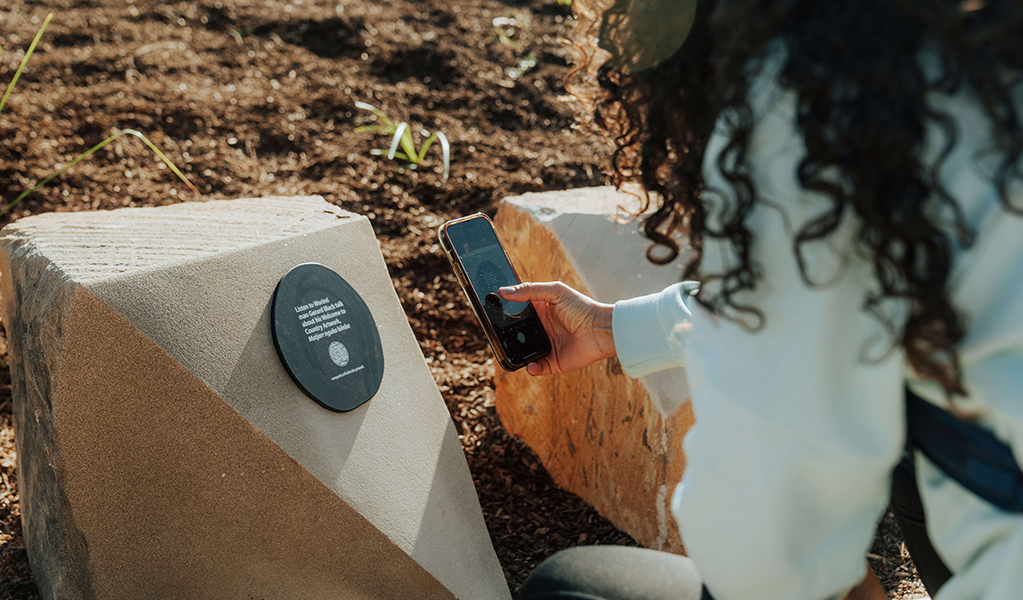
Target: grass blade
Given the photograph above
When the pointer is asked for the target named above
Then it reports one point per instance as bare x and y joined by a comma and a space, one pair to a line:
445, 149
24, 61
409, 146
389, 124
398, 133
162, 156
426, 146
91, 151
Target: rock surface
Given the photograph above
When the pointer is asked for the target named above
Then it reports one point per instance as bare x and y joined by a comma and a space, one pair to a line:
613, 440
164, 451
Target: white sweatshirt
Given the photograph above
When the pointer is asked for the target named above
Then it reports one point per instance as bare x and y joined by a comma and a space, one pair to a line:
799, 425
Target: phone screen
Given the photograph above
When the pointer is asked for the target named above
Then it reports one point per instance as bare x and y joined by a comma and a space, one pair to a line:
486, 267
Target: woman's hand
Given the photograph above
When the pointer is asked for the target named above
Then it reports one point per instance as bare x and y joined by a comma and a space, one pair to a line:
579, 327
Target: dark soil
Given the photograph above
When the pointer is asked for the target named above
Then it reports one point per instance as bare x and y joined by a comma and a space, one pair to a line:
257, 97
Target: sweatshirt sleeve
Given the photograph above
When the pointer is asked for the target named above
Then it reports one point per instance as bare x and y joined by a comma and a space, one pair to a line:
649, 331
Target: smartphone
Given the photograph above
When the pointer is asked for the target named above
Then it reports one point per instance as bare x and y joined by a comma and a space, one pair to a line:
482, 266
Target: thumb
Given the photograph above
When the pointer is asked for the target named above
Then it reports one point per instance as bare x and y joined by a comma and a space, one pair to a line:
551, 292
517, 293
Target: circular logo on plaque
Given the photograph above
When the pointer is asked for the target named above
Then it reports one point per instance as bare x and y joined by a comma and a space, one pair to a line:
338, 353
326, 337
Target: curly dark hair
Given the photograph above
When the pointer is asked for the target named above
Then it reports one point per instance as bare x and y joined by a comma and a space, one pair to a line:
861, 111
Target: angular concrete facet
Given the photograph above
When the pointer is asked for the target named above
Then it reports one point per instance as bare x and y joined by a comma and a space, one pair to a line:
615, 441
165, 452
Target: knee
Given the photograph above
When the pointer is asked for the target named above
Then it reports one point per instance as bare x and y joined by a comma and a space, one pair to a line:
556, 576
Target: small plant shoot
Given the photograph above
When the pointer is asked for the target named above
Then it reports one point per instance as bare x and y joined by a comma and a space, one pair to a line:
508, 29
3, 101
401, 137
526, 64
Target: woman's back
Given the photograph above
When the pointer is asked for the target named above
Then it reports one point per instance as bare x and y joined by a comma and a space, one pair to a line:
800, 423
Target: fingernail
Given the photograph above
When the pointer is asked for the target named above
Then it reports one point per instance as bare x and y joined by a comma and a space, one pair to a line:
508, 289
533, 369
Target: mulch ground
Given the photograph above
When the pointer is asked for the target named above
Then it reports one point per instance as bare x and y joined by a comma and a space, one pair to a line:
257, 97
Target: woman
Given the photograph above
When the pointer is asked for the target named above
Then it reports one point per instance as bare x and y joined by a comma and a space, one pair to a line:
849, 177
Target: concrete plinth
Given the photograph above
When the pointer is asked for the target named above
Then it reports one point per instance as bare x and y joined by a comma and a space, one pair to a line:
613, 440
164, 451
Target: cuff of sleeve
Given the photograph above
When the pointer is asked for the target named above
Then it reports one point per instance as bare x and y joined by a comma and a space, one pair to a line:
647, 331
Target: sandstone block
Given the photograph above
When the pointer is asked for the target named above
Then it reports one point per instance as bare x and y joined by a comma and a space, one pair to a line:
613, 440
164, 451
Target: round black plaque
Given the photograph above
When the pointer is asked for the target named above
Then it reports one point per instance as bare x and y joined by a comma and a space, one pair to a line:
326, 337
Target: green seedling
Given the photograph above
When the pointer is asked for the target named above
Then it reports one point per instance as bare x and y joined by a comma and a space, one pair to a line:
526, 64
508, 28
90, 151
401, 136
240, 34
